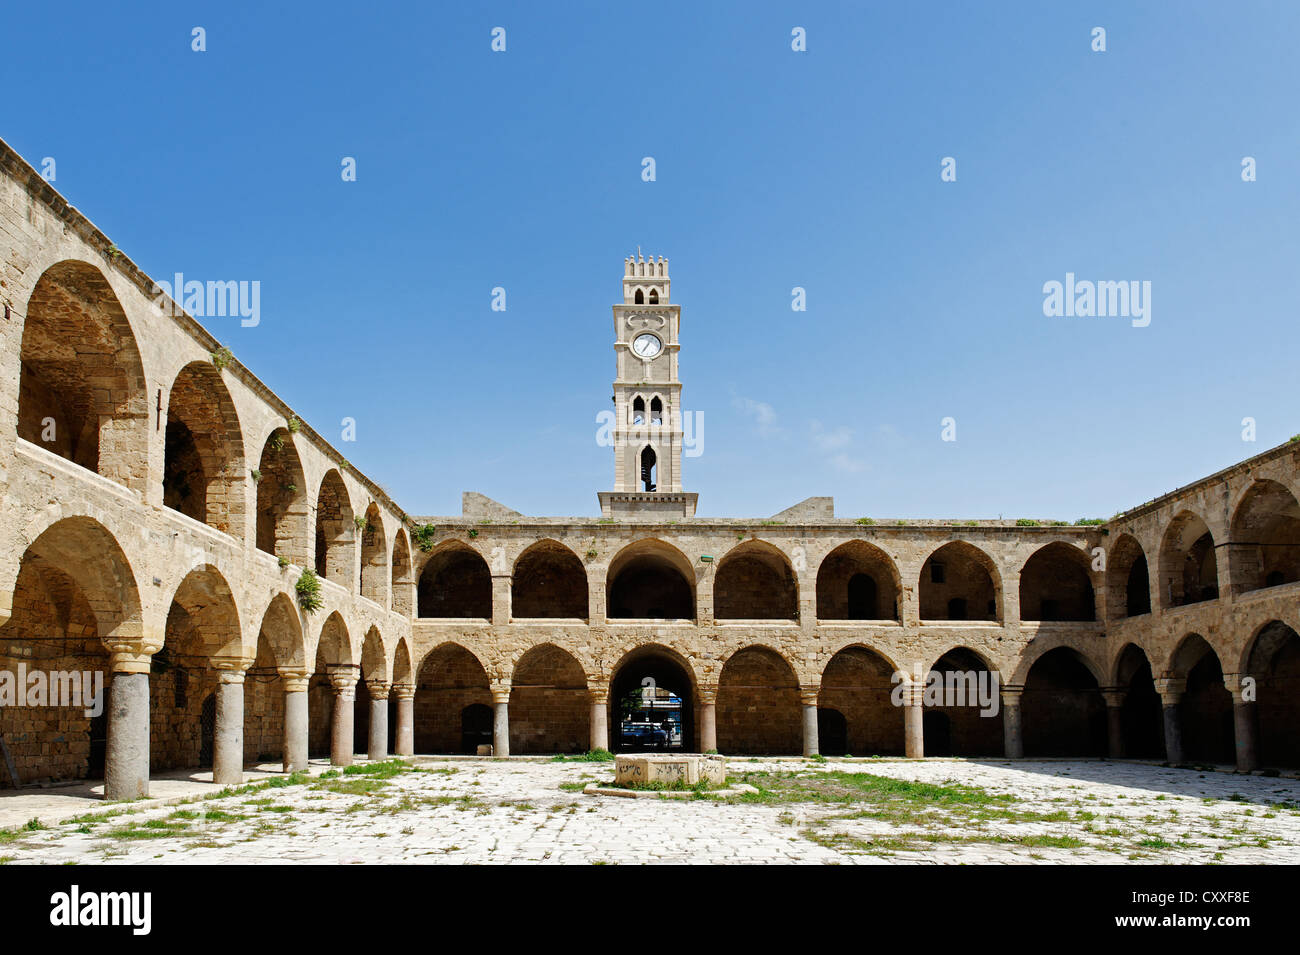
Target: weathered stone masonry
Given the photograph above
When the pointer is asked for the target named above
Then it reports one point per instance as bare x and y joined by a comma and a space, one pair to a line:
160, 505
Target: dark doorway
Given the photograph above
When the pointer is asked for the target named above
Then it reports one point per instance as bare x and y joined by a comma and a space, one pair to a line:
937, 732
207, 730
475, 727
832, 733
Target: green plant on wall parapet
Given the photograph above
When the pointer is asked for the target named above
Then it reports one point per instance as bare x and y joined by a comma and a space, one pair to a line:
308, 590
422, 534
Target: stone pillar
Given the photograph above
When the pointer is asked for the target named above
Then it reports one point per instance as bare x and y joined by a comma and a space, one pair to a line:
295, 681
377, 740
1013, 741
344, 680
405, 736
708, 719
913, 723
126, 763
1114, 697
1245, 720
228, 734
599, 719
501, 719
1171, 692
808, 697
500, 599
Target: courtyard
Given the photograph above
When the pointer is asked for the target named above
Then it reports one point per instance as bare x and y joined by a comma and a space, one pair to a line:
827, 811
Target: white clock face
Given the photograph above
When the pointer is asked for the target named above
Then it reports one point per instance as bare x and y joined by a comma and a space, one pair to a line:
646, 346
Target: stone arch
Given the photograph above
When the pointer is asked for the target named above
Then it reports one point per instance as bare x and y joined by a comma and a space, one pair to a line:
1264, 542
754, 581
403, 673
280, 643
1189, 568
401, 578
335, 531
858, 581
1062, 709
455, 582
81, 390
374, 667
969, 721
650, 579
648, 461
549, 704
333, 653
74, 589
452, 699
1128, 580
1055, 584
374, 557
759, 710
202, 626
1272, 658
1205, 708
282, 500
857, 684
652, 686
548, 581
960, 582
1140, 717
203, 466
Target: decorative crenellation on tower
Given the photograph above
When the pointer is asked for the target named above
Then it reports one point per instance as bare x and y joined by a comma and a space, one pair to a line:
647, 433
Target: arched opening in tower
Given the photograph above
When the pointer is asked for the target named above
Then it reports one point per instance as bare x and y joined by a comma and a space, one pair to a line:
648, 468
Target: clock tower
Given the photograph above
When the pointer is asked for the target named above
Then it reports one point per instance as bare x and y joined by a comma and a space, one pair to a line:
647, 432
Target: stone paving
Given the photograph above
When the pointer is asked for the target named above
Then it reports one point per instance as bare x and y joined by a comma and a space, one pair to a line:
508, 811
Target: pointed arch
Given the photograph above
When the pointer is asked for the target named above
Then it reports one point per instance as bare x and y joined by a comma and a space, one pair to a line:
1189, 567
854, 706
203, 468
1264, 546
282, 500
402, 581
549, 581
1055, 584
960, 582
453, 705
1128, 580
759, 711
549, 705
858, 581
755, 581
455, 582
81, 389
375, 572
650, 579
1062, 709
653, 696
335, 531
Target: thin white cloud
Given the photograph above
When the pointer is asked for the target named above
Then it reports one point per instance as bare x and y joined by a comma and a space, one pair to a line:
764, 415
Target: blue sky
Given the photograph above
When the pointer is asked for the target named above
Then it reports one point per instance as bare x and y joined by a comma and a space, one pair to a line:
775, 169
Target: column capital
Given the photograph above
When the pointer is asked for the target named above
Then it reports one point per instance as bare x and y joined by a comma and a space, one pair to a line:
1170, 689
913, 694
808, 695
599, 693
129, 661
231, 669
1114, 695
1234, 682
708, 693
500, 692
343, 677
378, 689
404, 691
295, 679
1011, 693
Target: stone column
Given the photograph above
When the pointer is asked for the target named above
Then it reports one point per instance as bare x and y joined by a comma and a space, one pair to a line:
126, 763
377, 740
1244, 720
405, 736
599, 720
1171, 692
708, 718
228, 734
913, 723
344, 680
1114, 697
501, 719
808, 698
295, 681
1013, 741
